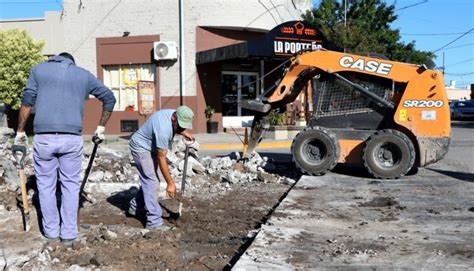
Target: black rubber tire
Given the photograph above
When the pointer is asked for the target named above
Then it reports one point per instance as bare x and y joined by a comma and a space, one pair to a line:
315, 151
388, 154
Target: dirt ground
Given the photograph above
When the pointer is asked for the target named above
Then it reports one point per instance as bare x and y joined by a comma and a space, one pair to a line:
210, 232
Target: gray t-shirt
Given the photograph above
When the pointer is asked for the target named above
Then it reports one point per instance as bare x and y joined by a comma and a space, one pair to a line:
156, 133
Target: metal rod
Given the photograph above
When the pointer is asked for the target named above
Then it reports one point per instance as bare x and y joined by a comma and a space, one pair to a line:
367, 93
181, 52
185, 169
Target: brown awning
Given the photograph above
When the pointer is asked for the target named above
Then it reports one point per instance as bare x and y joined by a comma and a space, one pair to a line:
282, 41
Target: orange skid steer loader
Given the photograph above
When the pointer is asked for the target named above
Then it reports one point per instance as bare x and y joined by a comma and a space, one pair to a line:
388, 116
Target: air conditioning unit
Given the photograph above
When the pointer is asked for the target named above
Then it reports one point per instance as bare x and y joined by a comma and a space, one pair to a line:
165, 50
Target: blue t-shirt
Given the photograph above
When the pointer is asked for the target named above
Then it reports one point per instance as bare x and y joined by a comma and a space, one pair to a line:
156, 133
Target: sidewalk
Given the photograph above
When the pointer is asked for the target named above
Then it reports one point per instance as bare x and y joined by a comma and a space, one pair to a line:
230, 141
212, 142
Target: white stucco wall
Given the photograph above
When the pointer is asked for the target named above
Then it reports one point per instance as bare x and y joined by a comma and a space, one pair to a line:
49, 29
458, 94
109, 18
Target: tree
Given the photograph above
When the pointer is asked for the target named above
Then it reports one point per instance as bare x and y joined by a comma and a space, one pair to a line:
18, 54
367, 29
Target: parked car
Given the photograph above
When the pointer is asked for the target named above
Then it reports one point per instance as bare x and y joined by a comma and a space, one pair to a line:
462, 109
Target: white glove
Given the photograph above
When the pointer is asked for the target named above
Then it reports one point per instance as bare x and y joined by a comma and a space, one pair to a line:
21, 139
99, 132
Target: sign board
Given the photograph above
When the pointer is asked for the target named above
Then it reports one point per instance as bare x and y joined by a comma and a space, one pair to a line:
289, 38
130, 76
282, 41
146, 97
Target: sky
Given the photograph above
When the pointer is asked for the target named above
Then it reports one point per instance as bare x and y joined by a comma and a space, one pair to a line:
432, 24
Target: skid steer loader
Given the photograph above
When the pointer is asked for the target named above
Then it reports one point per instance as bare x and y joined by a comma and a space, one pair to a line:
388, 116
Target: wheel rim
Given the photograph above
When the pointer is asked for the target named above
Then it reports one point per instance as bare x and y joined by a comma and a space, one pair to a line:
315, 151
388, 155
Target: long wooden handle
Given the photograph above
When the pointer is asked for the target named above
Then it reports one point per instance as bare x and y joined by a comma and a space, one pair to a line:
24, 194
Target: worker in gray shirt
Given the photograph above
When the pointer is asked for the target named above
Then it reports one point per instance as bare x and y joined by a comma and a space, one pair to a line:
149, 147
57, 89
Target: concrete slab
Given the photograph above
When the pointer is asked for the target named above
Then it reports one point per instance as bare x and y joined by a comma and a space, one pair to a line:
346, 222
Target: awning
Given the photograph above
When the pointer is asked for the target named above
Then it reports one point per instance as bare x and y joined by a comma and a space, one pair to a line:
282, 41
238, 50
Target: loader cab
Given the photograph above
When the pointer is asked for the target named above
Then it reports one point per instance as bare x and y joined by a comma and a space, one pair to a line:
338, 105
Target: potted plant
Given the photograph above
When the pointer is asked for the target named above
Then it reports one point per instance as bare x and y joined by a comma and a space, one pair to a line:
277, 129
211, 125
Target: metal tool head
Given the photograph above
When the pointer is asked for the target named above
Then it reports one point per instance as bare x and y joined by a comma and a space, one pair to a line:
26, 223
96, 140
19, 149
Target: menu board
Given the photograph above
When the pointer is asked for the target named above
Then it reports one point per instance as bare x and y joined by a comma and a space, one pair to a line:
146, 97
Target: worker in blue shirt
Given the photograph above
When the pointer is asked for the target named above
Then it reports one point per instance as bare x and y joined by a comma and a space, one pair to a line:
149, 147
57, 89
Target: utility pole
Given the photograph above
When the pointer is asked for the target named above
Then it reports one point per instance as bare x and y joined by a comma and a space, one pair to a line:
345, 13
345, 21
181, 52
443, 63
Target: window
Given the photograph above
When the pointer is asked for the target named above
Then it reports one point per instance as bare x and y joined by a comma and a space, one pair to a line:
128, 126
122, 80
238, 86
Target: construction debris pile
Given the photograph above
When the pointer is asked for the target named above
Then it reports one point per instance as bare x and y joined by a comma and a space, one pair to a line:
213, 174
218, 174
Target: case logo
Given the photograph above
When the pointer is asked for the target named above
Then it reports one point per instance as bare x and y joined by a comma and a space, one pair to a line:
369, 66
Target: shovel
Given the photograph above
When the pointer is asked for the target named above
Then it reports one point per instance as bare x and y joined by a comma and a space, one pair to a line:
173, 213
24, 195
83, 194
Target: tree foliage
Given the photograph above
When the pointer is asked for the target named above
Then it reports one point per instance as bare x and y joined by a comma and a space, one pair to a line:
367, 29
18, 54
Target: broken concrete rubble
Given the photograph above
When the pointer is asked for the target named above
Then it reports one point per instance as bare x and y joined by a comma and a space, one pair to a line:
113, 166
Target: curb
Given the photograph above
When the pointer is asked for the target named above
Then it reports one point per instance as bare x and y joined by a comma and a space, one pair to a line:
236, 146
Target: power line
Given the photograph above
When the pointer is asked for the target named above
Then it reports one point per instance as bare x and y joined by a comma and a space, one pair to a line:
431, 34
459, 46
459, 74
444, 46
464, 61
412, 5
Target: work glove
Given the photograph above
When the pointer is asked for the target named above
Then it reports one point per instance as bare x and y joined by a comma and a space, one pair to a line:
99, 133
21, 139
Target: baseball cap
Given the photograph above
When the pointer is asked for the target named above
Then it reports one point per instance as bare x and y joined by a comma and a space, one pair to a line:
185, 117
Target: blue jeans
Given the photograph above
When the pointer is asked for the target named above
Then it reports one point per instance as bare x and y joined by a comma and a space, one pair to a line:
53, 153
147, 197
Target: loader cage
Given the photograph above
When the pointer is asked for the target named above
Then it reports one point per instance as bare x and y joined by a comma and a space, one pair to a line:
336, 104
334, 97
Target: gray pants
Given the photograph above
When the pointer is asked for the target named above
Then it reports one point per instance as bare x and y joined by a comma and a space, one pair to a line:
52, 154
147, 197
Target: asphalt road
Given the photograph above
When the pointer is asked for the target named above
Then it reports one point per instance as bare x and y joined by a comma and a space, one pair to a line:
347, 220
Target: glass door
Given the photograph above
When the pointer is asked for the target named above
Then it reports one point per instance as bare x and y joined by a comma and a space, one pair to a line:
248, 91
237, 86
230, 94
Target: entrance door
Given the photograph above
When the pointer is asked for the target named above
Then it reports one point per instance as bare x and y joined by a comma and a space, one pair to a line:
237, 86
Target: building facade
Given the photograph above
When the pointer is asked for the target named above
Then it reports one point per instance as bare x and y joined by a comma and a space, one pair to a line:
50, 29
115, 40
455, 93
